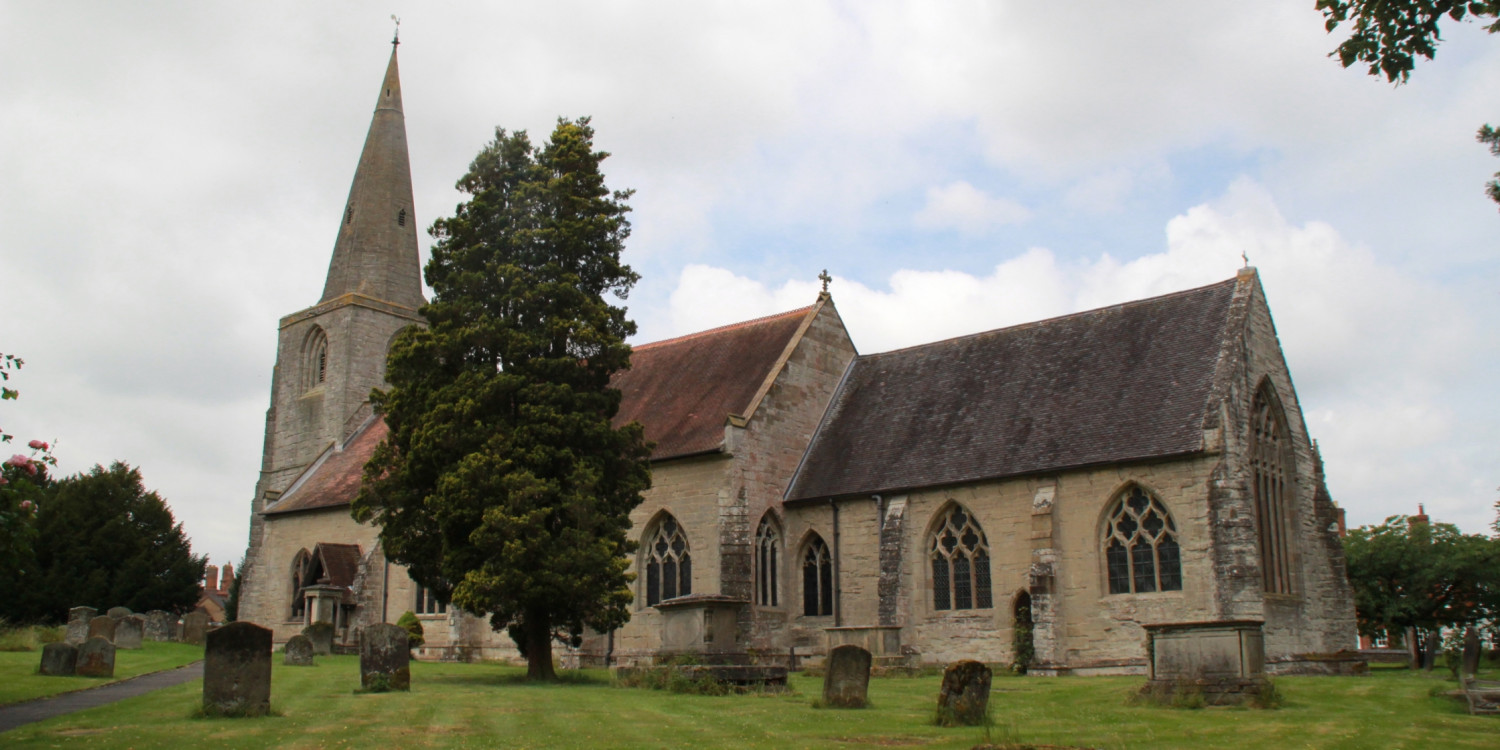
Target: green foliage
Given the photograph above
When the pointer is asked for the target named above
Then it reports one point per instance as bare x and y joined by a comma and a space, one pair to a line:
415, 636
232, 604
1491, 137
502, 485
1022, 646
1389, 35
1421, 575
104, 540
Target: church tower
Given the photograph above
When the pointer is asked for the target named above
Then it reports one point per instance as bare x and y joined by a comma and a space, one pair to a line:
329, 356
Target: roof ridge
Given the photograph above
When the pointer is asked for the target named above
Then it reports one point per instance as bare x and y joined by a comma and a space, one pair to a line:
1053, 319
721, 329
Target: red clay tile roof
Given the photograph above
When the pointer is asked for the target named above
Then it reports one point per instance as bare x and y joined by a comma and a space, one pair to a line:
1116, 384
340, 562
684, 389
334, 478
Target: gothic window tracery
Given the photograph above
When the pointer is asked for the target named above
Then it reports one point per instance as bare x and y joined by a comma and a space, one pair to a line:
315, 361
1272, 472
1141, 550
669, 565
767, 564
817, 578
960, 556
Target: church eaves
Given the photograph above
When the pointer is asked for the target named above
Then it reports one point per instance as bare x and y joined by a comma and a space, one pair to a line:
375, 254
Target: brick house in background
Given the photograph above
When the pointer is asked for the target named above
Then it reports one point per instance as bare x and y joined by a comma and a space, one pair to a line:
1086, 476
213, 592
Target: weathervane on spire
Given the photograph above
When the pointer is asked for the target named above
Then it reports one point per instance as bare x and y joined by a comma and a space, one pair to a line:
396, 39
1246, 257
825, 278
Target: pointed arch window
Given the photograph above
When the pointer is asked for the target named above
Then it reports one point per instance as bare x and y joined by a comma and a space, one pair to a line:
960, 562
669, 564
300, 564
767, 564
315, 359
429, 604
1272, 471
1141, 550
817, 578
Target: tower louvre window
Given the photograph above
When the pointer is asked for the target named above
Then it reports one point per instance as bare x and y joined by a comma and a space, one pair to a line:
349, 215
315, 352
401, 218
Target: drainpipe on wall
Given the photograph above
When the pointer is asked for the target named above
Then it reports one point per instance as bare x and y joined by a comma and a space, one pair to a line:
838, 604
385, 590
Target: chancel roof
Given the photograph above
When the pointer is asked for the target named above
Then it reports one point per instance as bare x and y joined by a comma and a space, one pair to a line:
333, 479
683, 390
1120, 383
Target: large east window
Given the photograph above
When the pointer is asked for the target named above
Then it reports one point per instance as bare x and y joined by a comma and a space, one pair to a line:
1271, 471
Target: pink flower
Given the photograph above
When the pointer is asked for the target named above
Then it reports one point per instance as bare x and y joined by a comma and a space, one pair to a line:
38, 445
27, 505
19, 460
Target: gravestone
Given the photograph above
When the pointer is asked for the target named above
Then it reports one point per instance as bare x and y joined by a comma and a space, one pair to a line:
78, 624
96, 658
847, 682
194, 628
964, 699
159, 625
385, 658
119, 613
102, 626
237, 670
1471, 653
1430, 651
59, 660
321, 635
129, 632
299, 652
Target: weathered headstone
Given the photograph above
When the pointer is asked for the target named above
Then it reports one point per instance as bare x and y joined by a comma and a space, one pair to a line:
102, 626
385, 658
299, 652
159, 625
321, 635
847, 681
1430, 651
237, 670
119, 613
194, 628
59, 660
964, 699
129, 632
96, 658
1471, 653
78, 624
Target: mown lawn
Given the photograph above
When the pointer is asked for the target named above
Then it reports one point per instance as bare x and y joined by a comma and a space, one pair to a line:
19, 680
487, 705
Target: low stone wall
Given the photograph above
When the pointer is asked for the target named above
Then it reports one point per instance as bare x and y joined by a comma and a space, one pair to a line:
1339, 664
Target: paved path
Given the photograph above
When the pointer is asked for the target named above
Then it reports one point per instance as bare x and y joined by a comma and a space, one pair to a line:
19, 714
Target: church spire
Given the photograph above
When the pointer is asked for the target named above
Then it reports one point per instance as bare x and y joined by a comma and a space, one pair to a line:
375, 254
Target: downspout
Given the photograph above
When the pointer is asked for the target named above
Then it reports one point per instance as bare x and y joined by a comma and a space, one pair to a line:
385, 591
838, 604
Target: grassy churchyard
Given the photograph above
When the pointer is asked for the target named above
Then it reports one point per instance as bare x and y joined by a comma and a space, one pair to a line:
20, 682
489, 705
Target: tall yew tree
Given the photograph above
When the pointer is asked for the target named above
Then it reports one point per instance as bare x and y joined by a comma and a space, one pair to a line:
502, 484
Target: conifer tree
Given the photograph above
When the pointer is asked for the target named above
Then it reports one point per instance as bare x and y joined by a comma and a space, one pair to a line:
502, 484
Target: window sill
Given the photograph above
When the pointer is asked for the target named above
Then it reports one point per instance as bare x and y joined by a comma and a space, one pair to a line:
1143, 595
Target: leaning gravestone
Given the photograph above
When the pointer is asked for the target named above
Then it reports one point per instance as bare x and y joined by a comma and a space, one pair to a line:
130, 631
299, 652
159, 625
1471, 653
964, 699
194, 628
119, 613
847, 682
78, 624
102, 626
59, 660
321, 635
96, 658
237, 670
385, 658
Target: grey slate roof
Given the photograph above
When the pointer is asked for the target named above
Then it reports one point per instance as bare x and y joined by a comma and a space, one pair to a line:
1120, 383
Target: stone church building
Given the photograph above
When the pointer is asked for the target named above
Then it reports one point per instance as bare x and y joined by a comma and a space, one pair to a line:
1058, 485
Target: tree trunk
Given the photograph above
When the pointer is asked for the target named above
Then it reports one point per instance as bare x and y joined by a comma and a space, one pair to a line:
1413, 650
539, 648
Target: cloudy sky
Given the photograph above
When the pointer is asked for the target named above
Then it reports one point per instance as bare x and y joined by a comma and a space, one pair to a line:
172, 175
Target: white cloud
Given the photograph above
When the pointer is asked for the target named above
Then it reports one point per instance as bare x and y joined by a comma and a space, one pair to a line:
959, 205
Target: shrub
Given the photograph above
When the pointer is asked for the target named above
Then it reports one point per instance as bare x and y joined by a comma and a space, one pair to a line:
414, 635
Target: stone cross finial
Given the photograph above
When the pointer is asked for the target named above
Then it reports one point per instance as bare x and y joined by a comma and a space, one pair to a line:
1246, 257
825, 278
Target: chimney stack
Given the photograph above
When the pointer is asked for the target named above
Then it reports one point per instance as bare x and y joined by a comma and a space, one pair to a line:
211, 578
226, 578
